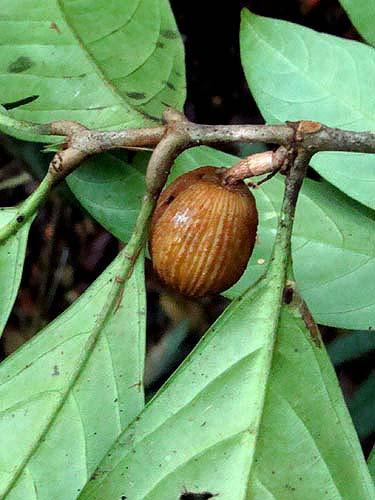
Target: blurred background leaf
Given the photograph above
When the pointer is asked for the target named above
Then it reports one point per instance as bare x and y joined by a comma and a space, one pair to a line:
361, 14
362, 407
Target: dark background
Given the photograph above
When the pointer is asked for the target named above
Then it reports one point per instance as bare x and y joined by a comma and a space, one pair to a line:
67, 250
217, 90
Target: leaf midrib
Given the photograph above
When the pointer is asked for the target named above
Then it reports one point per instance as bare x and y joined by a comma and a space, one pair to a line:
117, 95
271, 347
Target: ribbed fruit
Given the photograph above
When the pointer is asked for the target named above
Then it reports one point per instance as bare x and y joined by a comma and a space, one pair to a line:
202, 232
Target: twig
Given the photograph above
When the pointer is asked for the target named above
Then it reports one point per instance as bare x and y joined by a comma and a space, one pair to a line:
177, 134
159, 165
314, 136
158, 170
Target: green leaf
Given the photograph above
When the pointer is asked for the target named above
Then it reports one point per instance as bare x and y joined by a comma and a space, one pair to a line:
109, 188
22, 129
351, 346
295, 73
254, 412
68, 393
111, 191
353, 173
12, 256
120, 72
105, 64
333, 245
361, 13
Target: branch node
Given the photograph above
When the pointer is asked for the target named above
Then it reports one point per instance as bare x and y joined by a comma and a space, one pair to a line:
303, 128
172, 115
67, 127
64, 162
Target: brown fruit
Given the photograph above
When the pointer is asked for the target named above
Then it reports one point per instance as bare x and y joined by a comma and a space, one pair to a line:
202, 232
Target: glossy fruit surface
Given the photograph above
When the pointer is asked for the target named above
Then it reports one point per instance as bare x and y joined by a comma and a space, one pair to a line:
202, 232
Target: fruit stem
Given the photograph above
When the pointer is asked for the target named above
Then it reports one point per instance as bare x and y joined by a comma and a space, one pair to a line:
257, 164
293, 184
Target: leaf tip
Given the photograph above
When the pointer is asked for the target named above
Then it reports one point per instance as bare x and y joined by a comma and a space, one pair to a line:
246, 15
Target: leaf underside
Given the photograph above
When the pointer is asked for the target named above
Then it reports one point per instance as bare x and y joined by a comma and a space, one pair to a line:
295, 73
68, 393
108, 65
111, 193
117, 73
233, 422
12, 256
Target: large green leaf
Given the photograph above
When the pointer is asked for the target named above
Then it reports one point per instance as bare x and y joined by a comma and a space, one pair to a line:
333, 245
295, 73
254, 412
361, 13
105, 64
12, 256
335, 257
112, 194
67, 394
